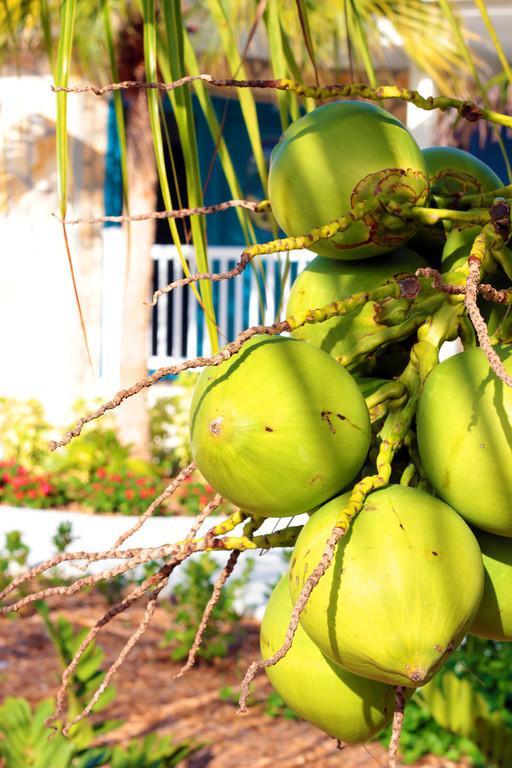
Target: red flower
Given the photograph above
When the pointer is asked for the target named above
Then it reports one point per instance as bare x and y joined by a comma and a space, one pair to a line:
17, 482
32, 493
45, 488
129, 493
140, 481
18, 494
101, 473
203, 500
116, 478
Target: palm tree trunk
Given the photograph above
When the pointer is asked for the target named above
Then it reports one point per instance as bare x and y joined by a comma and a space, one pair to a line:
133, 416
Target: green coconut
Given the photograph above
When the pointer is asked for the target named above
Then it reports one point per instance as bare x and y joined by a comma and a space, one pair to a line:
454, 173
464, 431
279, 428
325, 280
457, 249
347, 707
455, 257
494, 617
340, 154
404, 586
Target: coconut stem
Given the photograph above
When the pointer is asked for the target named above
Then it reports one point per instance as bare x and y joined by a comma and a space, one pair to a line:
478, 254
398, 719
466, 109
340, 224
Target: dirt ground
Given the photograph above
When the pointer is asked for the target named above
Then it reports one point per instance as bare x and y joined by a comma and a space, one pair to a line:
149, 700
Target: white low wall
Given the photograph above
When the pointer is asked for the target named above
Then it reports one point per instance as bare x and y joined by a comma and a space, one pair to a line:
97, 532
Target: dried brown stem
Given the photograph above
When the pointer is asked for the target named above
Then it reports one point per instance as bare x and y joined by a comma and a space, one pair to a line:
213, 277
311, 582
178, 213
123, 605
398, 719
173, 485
438, 281
156, 581
133, 557
133, 640
144, 555
499, 296
212, 602
198, 362
208, 509
68, 590
479, 324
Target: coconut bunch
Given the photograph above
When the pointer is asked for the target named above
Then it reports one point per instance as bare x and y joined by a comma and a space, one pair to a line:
344, 411
402, 462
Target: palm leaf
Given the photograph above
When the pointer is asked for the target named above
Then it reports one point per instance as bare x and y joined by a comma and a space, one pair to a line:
480, 4
306, 33
210, 115
245, 96
287, 102
173, 66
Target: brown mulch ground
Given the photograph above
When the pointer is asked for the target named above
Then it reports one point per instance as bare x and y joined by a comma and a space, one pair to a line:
190, 708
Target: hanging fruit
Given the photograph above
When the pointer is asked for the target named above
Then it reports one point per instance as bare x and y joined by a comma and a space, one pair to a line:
341, 154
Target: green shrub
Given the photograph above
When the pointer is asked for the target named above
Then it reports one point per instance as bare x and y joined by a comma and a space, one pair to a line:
169, 424
25, 743
13, 556
25, 432
189, 599
465, 711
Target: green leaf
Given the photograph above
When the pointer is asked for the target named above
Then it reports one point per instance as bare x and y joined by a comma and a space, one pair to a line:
172, 63
24, 741
150, 59
287, 102
245, 96
210, 115
306, 31
67, 17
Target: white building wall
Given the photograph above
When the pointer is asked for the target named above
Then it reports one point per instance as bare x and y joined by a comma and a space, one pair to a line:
43, 355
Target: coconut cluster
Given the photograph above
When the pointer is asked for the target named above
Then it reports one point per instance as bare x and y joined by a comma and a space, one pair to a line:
283, 428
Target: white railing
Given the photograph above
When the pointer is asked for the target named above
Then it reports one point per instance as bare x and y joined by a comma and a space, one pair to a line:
259, 295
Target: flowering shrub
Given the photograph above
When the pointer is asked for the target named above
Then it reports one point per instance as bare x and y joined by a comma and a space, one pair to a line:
22, 487
103, 490
194, 494
123, 492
